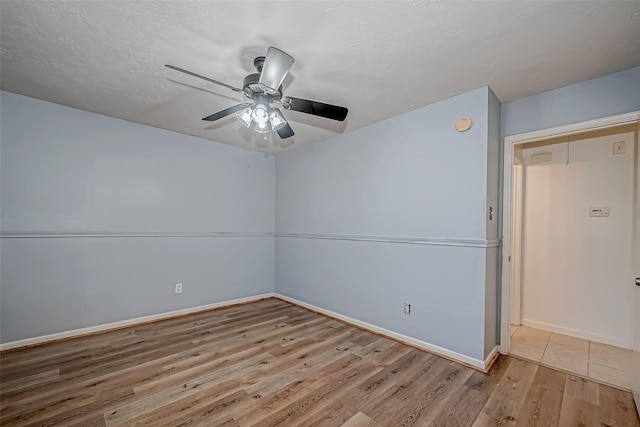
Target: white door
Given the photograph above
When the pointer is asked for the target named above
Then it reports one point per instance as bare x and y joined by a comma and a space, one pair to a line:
636, 273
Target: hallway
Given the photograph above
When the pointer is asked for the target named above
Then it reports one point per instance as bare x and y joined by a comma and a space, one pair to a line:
600, 362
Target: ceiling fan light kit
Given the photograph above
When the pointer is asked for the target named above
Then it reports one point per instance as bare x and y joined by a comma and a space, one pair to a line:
264, 88
261, 116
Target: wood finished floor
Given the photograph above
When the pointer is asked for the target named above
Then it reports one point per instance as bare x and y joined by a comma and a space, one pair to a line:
270, 363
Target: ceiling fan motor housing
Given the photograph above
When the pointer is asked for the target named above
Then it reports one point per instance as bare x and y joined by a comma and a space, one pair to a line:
259, 63
251, 87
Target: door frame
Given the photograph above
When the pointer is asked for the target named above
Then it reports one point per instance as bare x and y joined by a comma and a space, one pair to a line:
516, 238
510, 143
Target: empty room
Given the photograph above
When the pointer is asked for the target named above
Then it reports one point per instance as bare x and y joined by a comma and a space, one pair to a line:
319, 213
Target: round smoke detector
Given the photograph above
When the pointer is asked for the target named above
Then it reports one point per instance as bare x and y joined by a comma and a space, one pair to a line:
463, 124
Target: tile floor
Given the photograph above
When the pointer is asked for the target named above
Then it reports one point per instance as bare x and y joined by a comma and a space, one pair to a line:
603, 363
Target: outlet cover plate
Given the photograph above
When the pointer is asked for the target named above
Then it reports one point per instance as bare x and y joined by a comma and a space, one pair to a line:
618, 147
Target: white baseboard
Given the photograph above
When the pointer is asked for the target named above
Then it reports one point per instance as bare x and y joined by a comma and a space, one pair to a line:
488, 361
482, 365
440, 351
129, 322
577, 333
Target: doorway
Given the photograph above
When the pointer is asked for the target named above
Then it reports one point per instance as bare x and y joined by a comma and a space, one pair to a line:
547, 147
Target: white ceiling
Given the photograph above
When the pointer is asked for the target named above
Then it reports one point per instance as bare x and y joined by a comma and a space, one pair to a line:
378, 58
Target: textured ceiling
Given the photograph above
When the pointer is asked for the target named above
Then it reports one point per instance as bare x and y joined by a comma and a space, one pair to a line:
378, 58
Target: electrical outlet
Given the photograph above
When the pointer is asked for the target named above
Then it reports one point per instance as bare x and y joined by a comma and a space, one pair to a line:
178, 288
407, 308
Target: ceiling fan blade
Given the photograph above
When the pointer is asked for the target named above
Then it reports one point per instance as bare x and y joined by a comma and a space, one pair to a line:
285, 131
276, 66
173, 67
226, 112
316, 108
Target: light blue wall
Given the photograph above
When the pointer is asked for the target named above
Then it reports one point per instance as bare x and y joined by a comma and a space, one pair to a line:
493, 164
410, 177
67, 172
370, 281
494, 153
59, 284
602, 97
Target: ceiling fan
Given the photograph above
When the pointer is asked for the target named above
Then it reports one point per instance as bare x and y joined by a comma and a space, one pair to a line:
264, 88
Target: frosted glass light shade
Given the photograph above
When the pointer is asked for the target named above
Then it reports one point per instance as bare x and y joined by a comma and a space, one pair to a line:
277, 120
260, 116
244, 116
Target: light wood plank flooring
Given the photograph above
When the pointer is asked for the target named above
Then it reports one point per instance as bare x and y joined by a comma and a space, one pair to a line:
270, 363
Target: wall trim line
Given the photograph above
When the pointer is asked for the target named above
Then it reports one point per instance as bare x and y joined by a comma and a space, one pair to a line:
481, 365
472, 243
107, 327
59, 235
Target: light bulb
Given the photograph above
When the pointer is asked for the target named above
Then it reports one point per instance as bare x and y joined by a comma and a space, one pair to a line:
261, 127
260, 114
